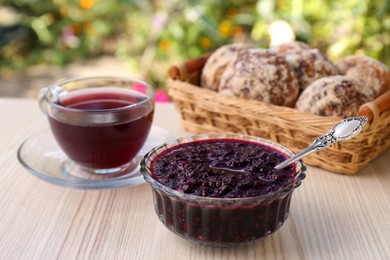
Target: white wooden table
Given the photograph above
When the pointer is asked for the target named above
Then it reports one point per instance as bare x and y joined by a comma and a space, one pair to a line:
332, 216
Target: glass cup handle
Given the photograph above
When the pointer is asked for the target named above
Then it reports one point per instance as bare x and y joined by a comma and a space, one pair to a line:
41, 99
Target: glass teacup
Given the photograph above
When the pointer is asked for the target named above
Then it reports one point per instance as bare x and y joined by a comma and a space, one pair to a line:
100, 123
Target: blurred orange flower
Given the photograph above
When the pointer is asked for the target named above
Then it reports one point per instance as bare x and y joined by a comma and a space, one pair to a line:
76, 28
236, 30
205, 42
87, 4
225, 28
164, 45
231, 12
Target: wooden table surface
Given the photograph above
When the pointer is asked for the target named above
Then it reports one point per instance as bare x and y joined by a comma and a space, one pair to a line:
332, 216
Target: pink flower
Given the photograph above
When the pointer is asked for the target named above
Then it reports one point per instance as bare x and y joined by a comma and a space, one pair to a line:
139, 87
159, 20
162, 96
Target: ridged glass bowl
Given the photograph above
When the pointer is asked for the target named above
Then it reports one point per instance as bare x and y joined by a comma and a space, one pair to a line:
221, 221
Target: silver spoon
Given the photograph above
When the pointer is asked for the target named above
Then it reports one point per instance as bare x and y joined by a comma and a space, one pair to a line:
343, 130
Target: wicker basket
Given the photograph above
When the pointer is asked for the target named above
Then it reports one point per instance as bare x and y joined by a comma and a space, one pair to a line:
206, 111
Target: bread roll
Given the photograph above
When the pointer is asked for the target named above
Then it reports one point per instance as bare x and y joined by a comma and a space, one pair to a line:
217, 63
291, 47
373, 74
339, 96
308, 64
260, 74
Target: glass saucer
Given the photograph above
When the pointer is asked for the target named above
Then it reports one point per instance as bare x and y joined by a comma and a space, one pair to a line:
41, 156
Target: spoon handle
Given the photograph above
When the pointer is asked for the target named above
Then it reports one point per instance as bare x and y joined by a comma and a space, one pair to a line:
319, 143
343, 130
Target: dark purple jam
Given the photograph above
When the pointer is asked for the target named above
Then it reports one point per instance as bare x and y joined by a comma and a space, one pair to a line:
228, 174
222, 168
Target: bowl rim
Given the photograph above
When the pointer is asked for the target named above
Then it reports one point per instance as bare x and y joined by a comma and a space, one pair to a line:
146, 171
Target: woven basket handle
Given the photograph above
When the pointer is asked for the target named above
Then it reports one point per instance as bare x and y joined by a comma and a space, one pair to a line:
372, 109
182, 71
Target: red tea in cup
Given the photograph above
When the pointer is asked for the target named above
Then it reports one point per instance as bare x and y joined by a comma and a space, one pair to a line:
101, 123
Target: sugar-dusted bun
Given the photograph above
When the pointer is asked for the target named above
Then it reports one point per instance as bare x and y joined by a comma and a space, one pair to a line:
333, 96
373, 74
260, 74
310, 65
291, 47
217, 63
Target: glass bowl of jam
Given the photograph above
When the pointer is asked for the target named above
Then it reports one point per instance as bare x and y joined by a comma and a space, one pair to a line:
221, 189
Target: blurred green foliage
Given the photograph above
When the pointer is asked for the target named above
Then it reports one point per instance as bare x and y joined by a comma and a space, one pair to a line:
151, 35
